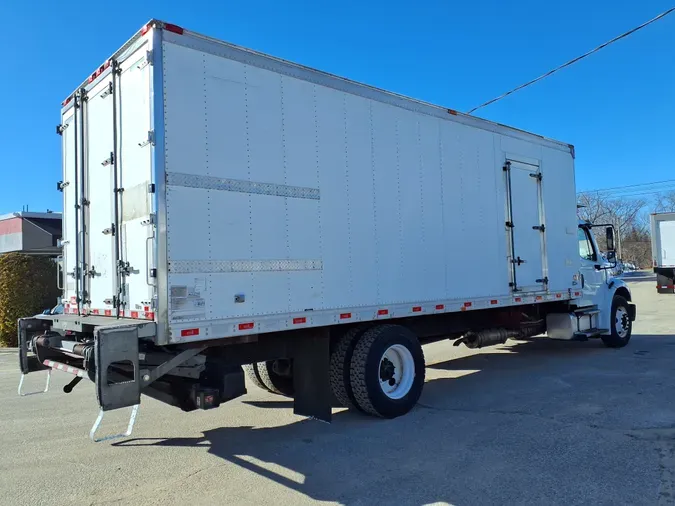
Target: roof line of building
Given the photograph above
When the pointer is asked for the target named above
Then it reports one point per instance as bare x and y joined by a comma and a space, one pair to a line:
23, 214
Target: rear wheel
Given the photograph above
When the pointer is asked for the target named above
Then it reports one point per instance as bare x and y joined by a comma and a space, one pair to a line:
340, 362
251, 371
387, 371
620, 324
277, 376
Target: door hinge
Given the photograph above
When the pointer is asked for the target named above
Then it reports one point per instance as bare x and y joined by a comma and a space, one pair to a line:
61, 185
509, 224
151, 188
124, 268
92, 272
542, 280
109, 302
541, 228
536, 175
147, 61
517, 261
110, 230
150, 139
83, 202
109, 161
108, 91
153, 273
150, 220
507, 166
60, 129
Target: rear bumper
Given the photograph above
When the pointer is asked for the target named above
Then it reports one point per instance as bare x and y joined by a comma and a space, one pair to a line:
665, 279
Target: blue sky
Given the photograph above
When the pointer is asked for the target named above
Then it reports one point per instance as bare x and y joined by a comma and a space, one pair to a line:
617, 107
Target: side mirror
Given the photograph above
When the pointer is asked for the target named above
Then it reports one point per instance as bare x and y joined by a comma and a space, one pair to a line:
609, 235
611, 256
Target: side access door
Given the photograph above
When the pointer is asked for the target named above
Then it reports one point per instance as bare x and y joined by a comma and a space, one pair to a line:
525, 227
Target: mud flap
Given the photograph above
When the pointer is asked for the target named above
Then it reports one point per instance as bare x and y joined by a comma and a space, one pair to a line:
117, 346
311, 375
27, 328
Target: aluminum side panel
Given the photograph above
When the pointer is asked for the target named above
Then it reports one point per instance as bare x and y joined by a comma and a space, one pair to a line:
286, 197
559, 211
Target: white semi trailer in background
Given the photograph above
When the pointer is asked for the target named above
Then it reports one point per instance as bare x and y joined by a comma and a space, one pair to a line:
663, 251
227, 211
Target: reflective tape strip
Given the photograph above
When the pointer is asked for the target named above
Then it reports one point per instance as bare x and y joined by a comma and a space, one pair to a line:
65, 368
199, 266
240, 186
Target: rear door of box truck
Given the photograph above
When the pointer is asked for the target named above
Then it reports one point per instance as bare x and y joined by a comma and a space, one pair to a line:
107, 170
663, 240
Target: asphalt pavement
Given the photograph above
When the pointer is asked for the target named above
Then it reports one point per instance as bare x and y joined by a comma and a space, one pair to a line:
537, 422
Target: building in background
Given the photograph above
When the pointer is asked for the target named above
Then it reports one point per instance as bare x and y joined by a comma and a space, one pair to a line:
31, 233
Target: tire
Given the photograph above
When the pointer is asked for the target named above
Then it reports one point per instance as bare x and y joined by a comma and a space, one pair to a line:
621, 326
274, 382
384, 351
251, 371
340, 363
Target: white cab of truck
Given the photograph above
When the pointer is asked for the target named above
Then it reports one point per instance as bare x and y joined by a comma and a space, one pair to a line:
663, 250
228, 213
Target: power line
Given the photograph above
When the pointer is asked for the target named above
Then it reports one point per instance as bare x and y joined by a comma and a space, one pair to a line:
617, 195
631, 195
571, 62
602, 190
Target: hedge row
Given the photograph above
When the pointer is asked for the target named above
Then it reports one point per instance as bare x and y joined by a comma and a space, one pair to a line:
27, 287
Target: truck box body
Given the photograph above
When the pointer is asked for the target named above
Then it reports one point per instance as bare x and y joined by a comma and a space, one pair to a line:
663, 250
220, 192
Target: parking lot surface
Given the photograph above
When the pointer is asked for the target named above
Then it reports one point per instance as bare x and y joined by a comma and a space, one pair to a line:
539, 422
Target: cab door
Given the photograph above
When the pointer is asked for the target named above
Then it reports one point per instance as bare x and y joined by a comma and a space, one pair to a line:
592, 278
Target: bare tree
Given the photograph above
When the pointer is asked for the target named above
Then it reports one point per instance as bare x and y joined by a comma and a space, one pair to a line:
624, 214
665, 203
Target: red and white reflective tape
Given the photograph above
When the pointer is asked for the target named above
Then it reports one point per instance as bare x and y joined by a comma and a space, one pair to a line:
136, 315
65, 368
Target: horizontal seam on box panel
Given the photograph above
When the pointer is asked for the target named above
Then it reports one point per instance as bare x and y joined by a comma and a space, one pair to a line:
240, 186
204, 266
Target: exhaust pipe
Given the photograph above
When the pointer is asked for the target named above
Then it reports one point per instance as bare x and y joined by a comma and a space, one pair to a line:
490, 337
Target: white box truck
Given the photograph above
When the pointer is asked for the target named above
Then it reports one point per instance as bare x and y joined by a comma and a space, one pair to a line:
227, 212
663, 251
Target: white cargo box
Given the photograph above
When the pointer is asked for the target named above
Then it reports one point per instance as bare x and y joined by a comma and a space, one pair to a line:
663, 239
220, 192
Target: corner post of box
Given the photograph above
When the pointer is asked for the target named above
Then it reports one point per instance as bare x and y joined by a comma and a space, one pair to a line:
117, 345
311, 374
159, 196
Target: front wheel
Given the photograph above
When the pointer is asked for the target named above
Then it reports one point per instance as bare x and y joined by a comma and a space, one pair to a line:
621, 325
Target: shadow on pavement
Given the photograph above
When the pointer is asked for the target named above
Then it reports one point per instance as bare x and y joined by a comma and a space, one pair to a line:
361, 460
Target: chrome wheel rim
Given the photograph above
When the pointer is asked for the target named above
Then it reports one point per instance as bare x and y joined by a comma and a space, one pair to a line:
621, 322
397, 371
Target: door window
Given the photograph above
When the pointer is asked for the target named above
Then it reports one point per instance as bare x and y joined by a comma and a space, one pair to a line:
585, 246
